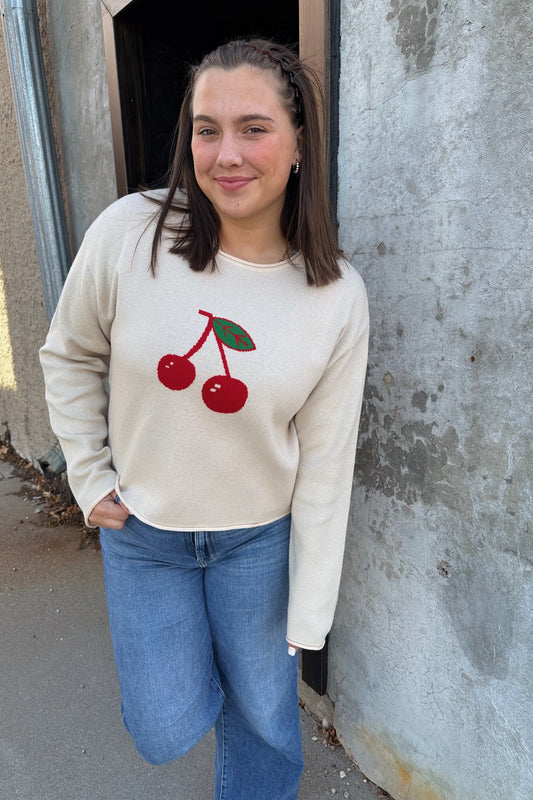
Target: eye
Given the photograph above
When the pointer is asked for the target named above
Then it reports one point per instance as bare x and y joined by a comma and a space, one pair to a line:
254, 130
205, 132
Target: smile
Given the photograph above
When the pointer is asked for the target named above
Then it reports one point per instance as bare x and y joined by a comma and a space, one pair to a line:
232, 184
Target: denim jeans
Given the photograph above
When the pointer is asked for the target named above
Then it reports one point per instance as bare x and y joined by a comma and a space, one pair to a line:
198, 622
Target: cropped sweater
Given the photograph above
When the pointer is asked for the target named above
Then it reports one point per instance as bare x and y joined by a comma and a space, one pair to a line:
232, 396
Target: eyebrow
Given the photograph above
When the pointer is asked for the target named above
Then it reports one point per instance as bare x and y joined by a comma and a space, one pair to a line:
243, 118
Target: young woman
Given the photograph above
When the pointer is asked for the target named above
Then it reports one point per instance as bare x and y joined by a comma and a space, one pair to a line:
219, 461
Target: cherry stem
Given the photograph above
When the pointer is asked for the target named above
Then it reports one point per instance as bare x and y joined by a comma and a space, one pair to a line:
223, 356
201, 341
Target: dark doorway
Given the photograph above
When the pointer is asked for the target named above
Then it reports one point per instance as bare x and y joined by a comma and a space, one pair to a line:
155, 41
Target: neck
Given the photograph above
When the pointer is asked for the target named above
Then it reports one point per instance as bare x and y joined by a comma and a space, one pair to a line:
261, 246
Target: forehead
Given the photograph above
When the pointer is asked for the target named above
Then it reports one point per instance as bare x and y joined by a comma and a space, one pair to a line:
244, 85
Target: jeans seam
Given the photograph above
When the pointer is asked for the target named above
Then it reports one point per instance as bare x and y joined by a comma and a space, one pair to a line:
223, 770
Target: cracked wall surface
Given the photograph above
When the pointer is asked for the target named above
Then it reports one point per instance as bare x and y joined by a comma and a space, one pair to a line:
431, 654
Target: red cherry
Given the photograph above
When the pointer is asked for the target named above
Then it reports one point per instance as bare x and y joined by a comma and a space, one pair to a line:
176, 372
224, 394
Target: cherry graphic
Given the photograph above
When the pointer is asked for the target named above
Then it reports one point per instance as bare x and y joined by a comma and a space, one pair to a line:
221, 393
224, 394
176, 372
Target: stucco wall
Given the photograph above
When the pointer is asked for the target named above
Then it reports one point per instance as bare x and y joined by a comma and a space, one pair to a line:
75, 61
73, 51
431, 658
23, 321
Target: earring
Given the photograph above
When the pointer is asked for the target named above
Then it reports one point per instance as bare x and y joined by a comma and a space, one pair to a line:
296, 168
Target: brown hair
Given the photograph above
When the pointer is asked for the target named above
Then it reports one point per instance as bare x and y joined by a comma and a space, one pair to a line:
305, 218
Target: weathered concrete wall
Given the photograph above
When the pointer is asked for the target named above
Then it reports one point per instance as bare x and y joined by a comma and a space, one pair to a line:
23, 322
75, 60
71, 32
432, 651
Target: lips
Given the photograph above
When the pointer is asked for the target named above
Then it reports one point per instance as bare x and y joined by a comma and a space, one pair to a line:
233, 183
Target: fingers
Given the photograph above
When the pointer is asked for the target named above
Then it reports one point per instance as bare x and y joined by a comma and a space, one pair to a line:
109, 512
118, 501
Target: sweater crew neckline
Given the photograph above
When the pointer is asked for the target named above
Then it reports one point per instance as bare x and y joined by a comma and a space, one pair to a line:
241, 262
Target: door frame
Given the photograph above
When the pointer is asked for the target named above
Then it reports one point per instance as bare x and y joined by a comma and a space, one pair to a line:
315, 44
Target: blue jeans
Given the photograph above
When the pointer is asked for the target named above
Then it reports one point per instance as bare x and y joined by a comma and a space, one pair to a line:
198, 622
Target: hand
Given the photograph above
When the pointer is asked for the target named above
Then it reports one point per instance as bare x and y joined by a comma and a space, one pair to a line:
292, 649
108, 513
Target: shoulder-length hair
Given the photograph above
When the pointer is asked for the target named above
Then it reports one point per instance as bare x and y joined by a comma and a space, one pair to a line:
305, 218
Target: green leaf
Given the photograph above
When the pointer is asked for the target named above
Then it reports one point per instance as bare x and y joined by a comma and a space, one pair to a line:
232, 335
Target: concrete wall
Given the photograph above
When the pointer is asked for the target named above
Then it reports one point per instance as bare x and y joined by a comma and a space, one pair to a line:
23, 321
71, 32
74, 56
431, 658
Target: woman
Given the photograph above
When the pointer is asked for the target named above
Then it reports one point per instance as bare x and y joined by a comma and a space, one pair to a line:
219, 463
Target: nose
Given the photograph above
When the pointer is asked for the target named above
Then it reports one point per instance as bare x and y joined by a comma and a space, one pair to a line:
229, 154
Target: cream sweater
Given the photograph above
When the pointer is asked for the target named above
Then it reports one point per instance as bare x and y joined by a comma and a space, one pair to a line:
233, 396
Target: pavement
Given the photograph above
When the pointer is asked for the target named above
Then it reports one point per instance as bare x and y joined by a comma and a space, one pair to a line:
61, 736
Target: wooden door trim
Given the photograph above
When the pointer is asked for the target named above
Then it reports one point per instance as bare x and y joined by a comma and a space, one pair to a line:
110, 10
114, 7
314, 44
315, 50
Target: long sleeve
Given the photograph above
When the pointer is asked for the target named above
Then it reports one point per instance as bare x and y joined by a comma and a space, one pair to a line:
75, 361
327, 427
